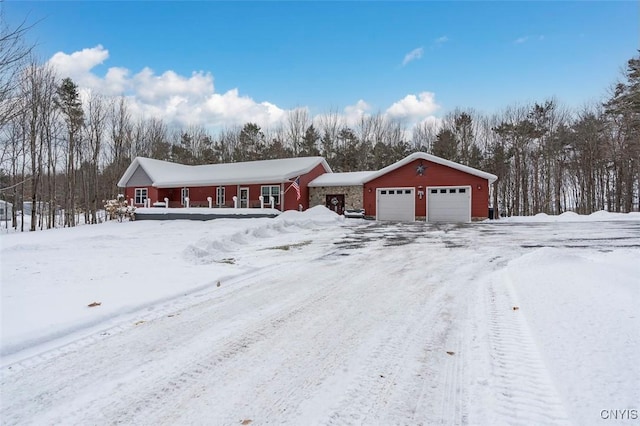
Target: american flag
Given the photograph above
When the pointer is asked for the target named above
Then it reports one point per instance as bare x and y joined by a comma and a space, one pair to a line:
296, 186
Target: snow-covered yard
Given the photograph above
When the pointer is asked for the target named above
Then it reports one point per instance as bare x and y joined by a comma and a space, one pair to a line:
312, 319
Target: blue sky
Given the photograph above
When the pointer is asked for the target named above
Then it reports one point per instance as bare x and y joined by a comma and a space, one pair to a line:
427, 58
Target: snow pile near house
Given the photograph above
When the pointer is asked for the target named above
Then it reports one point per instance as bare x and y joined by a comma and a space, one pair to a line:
599, 216
314, 216
582, 310
50, 277
288, 226
224, 211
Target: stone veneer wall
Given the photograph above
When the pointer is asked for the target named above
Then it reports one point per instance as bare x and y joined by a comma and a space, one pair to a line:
352, 195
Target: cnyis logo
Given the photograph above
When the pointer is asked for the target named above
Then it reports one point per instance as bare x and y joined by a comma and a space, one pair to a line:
619, 414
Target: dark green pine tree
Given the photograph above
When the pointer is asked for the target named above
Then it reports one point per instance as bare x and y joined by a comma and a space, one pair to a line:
309, 147
69, 104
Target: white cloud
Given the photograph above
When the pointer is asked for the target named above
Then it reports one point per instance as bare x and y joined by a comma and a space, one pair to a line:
78, 65
413, 55
79, 62
414, 108
440, 41
177, 99
520, 40
151, 88
353, 113
192, 100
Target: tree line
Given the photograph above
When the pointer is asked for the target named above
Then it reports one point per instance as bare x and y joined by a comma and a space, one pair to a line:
64, 153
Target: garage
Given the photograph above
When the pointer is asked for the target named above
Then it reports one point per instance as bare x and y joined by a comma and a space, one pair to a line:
396, 204
449, 204
423, 187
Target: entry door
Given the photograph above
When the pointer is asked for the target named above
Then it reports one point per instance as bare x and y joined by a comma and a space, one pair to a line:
335, 203
244, 198
183, 195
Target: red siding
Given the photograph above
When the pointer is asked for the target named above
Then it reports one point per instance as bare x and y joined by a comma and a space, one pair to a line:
255, 191
130, 193
290, 200
435, 175
198, 195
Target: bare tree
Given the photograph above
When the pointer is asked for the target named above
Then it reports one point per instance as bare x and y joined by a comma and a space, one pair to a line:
95, 128
120, 143
295, 126
424, 135
14, 54
330, 125
37, 93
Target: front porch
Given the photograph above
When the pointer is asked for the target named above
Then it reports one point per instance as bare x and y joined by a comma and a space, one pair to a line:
202, 213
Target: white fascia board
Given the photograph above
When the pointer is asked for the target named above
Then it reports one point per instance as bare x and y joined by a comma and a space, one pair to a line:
428, 157
183, 175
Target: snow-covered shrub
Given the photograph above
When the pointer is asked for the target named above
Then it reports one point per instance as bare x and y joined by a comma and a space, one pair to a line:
119, 209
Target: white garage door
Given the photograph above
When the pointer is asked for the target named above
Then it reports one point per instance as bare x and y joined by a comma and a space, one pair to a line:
449, 204
397, 204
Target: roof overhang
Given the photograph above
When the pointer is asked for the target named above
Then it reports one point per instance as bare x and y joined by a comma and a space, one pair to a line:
181, 175
432, 158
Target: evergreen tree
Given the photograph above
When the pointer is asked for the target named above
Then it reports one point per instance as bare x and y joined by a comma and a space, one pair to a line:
309, 146
446, 145
68, 101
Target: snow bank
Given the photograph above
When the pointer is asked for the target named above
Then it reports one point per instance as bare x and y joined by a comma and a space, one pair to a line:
49, 277
582, 308
600, 216
205, 210
317, 215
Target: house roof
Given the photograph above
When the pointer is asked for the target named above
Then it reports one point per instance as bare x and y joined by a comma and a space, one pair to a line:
428, 157
340, 179
165, 174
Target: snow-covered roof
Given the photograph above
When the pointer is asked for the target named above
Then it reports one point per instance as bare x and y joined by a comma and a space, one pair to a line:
340, 179
428, 157
164, 174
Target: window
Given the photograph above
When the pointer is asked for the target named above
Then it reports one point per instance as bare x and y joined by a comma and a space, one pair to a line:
391, 192
141, 195
220, 196
434, 191
443, 191
407, 191
452, 191
383, 192
462, 190
271, 191
184, 194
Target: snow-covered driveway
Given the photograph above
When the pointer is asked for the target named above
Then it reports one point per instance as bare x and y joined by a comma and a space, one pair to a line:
370, 324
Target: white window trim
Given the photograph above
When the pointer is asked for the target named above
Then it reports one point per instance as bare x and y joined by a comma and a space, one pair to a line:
138, 195
267, 201
220, 190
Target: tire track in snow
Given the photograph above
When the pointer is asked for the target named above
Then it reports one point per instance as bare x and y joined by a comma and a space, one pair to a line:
522, 389
419, 370
180, 378
311, 351
371, 393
